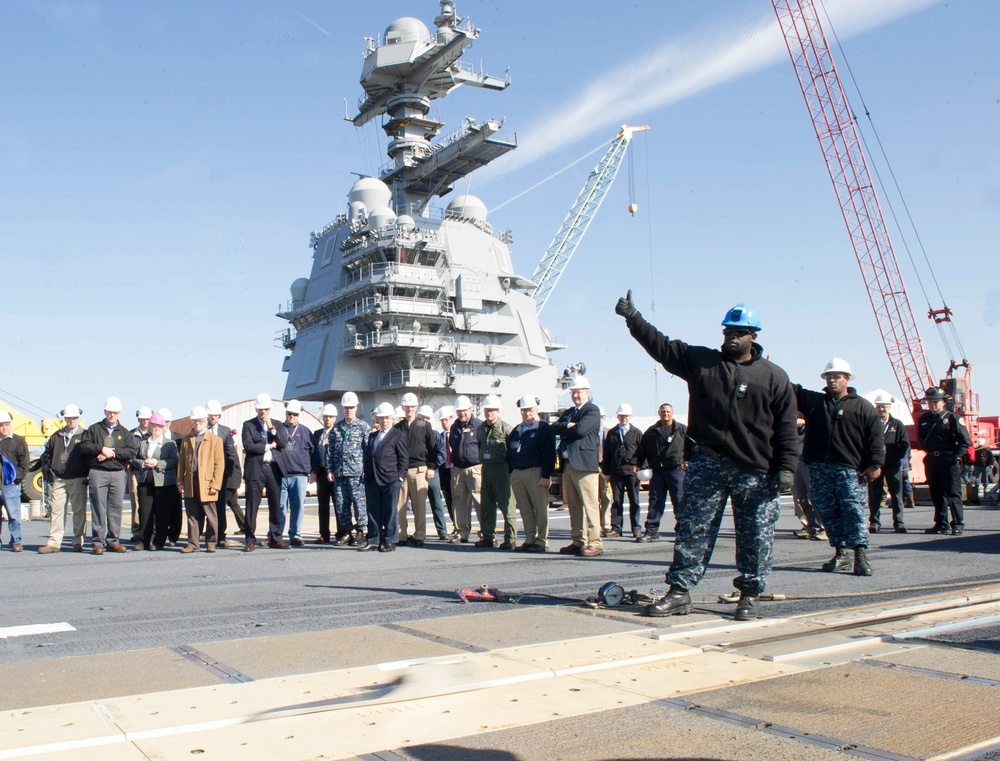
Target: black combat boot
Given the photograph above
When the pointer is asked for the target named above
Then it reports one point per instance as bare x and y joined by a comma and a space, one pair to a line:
861, 567
746, 608
677, 602
839, 562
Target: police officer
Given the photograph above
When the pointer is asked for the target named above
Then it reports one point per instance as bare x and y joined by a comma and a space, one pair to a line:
662, 449
897, 447
844, 451
742, 422
944, 438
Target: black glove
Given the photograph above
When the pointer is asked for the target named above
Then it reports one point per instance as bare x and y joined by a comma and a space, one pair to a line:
625, 307
785, 481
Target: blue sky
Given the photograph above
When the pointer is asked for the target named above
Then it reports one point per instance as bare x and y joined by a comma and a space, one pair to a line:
162, 166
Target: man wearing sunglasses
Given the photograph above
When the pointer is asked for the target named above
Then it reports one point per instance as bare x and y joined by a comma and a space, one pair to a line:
741, 417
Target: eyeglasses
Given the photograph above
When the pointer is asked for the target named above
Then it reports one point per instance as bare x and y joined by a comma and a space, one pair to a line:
736, 332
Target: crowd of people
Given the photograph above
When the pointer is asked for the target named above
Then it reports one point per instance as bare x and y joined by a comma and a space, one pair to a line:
751, 434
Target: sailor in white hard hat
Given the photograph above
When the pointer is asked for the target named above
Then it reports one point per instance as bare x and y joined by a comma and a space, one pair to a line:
345, 466
620, 464
110, 447
261, 438
495, 489
324, 489
578, 431
466, 468
422, 448
890, 482
844, 451
531, 454
66, 470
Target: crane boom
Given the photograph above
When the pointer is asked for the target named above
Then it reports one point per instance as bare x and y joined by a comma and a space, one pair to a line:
838, 136
562, 247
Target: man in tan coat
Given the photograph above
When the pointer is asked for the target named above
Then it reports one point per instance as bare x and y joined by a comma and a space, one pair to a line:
201, 470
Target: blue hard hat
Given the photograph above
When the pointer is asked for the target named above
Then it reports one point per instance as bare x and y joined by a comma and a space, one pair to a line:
742, 316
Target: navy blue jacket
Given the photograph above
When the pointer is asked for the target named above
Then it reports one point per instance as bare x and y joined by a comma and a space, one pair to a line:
535, 448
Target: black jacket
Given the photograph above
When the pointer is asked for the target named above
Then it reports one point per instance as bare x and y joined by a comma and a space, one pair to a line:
897, 442
462, 438
945, 433
843, 431
745, 411
662, 446
120, 439
535, 448
621, 454
15, 449
580, 445
390, 461
60, 460
256, 443
421, 442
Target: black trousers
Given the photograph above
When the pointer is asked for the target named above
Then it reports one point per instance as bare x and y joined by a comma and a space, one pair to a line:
158, 529
446, 491
144, 505
228, 497
622, 486
324, 494
383, 514
944, 479
265, 485
890, 482
662, 483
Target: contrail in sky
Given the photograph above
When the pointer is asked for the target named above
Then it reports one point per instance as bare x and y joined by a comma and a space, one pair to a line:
304, 18
680, 69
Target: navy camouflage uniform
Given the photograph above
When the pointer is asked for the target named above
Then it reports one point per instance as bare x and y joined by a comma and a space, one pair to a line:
741, 417
843, 438
345, 459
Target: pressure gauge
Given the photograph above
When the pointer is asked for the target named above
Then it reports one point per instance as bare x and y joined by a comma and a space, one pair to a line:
611, 594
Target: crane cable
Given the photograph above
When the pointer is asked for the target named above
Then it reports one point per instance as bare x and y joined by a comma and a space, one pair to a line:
892, 211
570, 165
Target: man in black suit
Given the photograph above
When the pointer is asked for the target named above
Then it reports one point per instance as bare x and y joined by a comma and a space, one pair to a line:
260, 438
578, 429
324, 487
387, 458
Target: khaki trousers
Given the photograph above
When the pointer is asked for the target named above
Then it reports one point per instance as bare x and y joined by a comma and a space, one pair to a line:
533, 504
466, 487
584, 509
605, 498
414, 487
74, 491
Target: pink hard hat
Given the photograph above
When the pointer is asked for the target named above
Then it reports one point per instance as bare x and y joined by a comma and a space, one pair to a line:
157, 419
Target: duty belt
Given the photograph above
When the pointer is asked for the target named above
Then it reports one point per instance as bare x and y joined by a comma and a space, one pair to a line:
937, 453
703, 448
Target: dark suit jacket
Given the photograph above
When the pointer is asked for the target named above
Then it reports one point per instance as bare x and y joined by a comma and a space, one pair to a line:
255, 443
390, 461
581, 444
233, 470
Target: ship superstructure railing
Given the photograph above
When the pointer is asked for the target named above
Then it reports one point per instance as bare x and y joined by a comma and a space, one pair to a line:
402, 273
413, 379
404, 339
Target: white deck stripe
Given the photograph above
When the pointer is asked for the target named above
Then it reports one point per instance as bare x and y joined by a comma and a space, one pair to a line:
22, 631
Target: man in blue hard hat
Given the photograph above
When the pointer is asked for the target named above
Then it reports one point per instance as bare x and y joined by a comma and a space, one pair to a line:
741, 417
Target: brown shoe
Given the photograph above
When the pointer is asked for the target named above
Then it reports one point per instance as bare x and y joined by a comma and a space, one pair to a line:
321, 540
77, 548
279, 545
591, 550
98, 549
223, 543
571, 549
117, 548
210, 548
298, 542
48, 548
249, 547
16, 547
189, 548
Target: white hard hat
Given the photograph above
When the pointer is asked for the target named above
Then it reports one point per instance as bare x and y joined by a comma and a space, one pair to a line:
212, 407
398, 412
837, 365
167, 414
624, 409
71, 410
491, 402
294, 407
349, 399
883, 398
113, 404
426, 411
409, 400
580, 381
143, 413
5, 416
384, 410
199, 413
527, 402
262, 402
463, 403
446, 411
329, 410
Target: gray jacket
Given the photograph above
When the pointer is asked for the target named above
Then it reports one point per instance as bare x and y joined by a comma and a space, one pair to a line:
165, 472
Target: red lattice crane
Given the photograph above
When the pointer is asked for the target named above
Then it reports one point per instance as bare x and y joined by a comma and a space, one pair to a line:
842, 150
